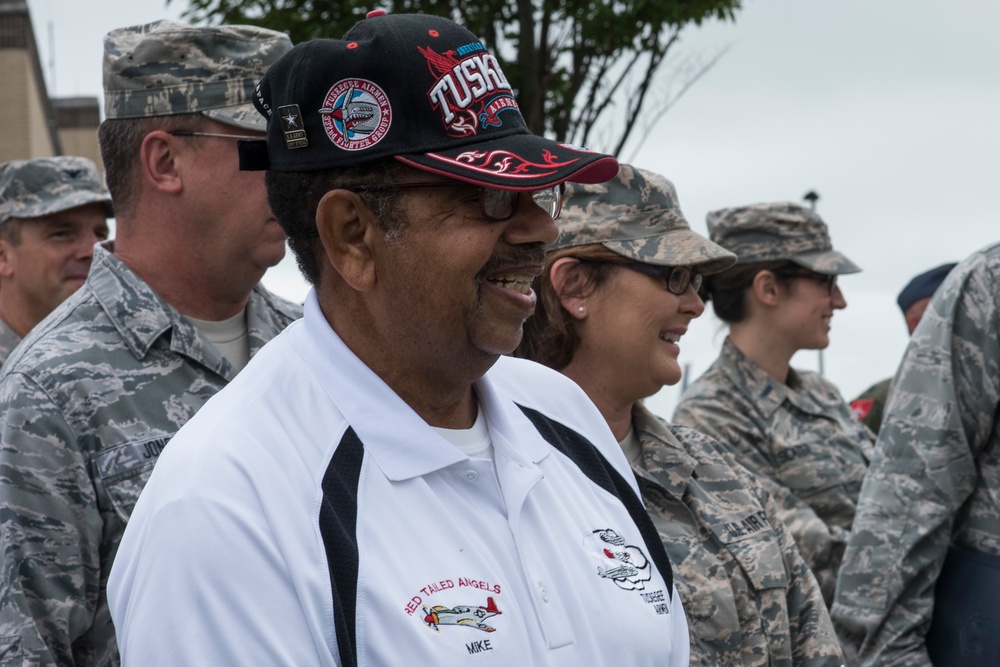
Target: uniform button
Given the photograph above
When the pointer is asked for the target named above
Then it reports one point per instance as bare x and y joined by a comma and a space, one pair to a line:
544, 593
471, 475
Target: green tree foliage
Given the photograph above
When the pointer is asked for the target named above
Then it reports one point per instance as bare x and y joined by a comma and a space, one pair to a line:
578, 67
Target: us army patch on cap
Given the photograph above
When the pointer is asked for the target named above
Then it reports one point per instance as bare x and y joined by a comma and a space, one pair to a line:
291, 124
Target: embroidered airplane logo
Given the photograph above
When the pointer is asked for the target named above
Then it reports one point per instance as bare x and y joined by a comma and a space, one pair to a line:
463, 615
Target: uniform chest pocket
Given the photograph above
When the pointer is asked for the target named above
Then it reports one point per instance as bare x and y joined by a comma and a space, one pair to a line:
753, 544
123, 470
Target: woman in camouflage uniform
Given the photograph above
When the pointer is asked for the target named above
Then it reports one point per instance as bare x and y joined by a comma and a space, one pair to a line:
618, 292
791, 428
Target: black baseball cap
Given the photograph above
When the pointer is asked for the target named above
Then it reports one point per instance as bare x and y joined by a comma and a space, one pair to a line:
417, 88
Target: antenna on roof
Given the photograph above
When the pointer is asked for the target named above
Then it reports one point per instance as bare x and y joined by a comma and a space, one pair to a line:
812, 197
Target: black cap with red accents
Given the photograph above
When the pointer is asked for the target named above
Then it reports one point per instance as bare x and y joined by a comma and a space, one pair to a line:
420, 89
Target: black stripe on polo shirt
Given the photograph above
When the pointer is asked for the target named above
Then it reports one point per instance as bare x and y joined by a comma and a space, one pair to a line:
338, 522
593, 464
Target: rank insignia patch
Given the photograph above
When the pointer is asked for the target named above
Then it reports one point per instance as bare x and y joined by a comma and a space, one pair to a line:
291, 123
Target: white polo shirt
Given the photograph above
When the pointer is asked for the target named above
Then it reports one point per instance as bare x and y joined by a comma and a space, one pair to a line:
307, 516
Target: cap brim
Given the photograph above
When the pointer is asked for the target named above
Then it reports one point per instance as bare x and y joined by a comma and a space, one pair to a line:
67, 202
517, 162
830, 262
243, 116
679, 247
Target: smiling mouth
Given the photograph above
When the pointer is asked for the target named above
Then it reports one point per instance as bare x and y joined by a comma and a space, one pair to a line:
518, 282
670, 337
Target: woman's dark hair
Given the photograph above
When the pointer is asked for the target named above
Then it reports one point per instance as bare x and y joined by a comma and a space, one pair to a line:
728, 290
550, 335
295, 196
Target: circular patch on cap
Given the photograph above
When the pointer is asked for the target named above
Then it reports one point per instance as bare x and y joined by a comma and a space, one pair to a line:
356, 114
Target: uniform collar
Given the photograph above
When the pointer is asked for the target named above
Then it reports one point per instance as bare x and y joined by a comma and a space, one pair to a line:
747, 377
8, 341
665, 461
399, 441
767, 393
141, 316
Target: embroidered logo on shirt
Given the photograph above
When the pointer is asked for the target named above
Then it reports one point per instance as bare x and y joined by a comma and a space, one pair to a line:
465, 616
624, 564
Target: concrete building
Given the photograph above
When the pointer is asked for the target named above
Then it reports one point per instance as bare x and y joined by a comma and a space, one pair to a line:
37, 125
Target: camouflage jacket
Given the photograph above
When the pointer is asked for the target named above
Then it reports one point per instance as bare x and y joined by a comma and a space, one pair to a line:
935, 474
801, 436
750, 599
8, 341
87, 403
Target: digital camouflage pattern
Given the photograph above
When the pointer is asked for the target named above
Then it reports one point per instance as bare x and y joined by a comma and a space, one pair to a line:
801, 435
935, 473
47, 185
87, 403
8, 341
636, 215
780, 230
166, 68
750, 599
870, 405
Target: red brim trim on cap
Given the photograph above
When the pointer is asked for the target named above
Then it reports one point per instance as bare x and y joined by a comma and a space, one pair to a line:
519, 162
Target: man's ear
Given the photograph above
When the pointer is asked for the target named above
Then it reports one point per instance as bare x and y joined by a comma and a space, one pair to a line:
765, 288
348, 230
568, 283
160, 162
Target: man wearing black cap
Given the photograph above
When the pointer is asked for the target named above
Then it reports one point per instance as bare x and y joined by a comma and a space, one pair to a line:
381, 486
912, 301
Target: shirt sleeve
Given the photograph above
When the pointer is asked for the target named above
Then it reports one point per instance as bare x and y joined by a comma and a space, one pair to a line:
51, 529
203, 581
940, 415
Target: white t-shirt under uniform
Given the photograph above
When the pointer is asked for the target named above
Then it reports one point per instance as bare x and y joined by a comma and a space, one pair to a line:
307, 516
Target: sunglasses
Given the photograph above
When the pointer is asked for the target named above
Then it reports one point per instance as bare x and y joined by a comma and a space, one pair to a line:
495, 204
828, 281
676, 279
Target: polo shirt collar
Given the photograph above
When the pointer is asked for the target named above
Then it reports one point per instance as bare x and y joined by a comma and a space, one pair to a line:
395, 437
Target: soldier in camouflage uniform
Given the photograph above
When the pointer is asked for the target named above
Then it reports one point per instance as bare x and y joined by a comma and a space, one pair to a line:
95, 392
912, 301
611, 305
52, 212
789, 426
931, 490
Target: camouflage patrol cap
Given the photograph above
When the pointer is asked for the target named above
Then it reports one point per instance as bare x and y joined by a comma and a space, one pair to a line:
166, 68
43, 186
636, 215
779, 230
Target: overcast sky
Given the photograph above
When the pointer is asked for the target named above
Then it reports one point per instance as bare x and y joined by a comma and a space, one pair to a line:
889, 109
